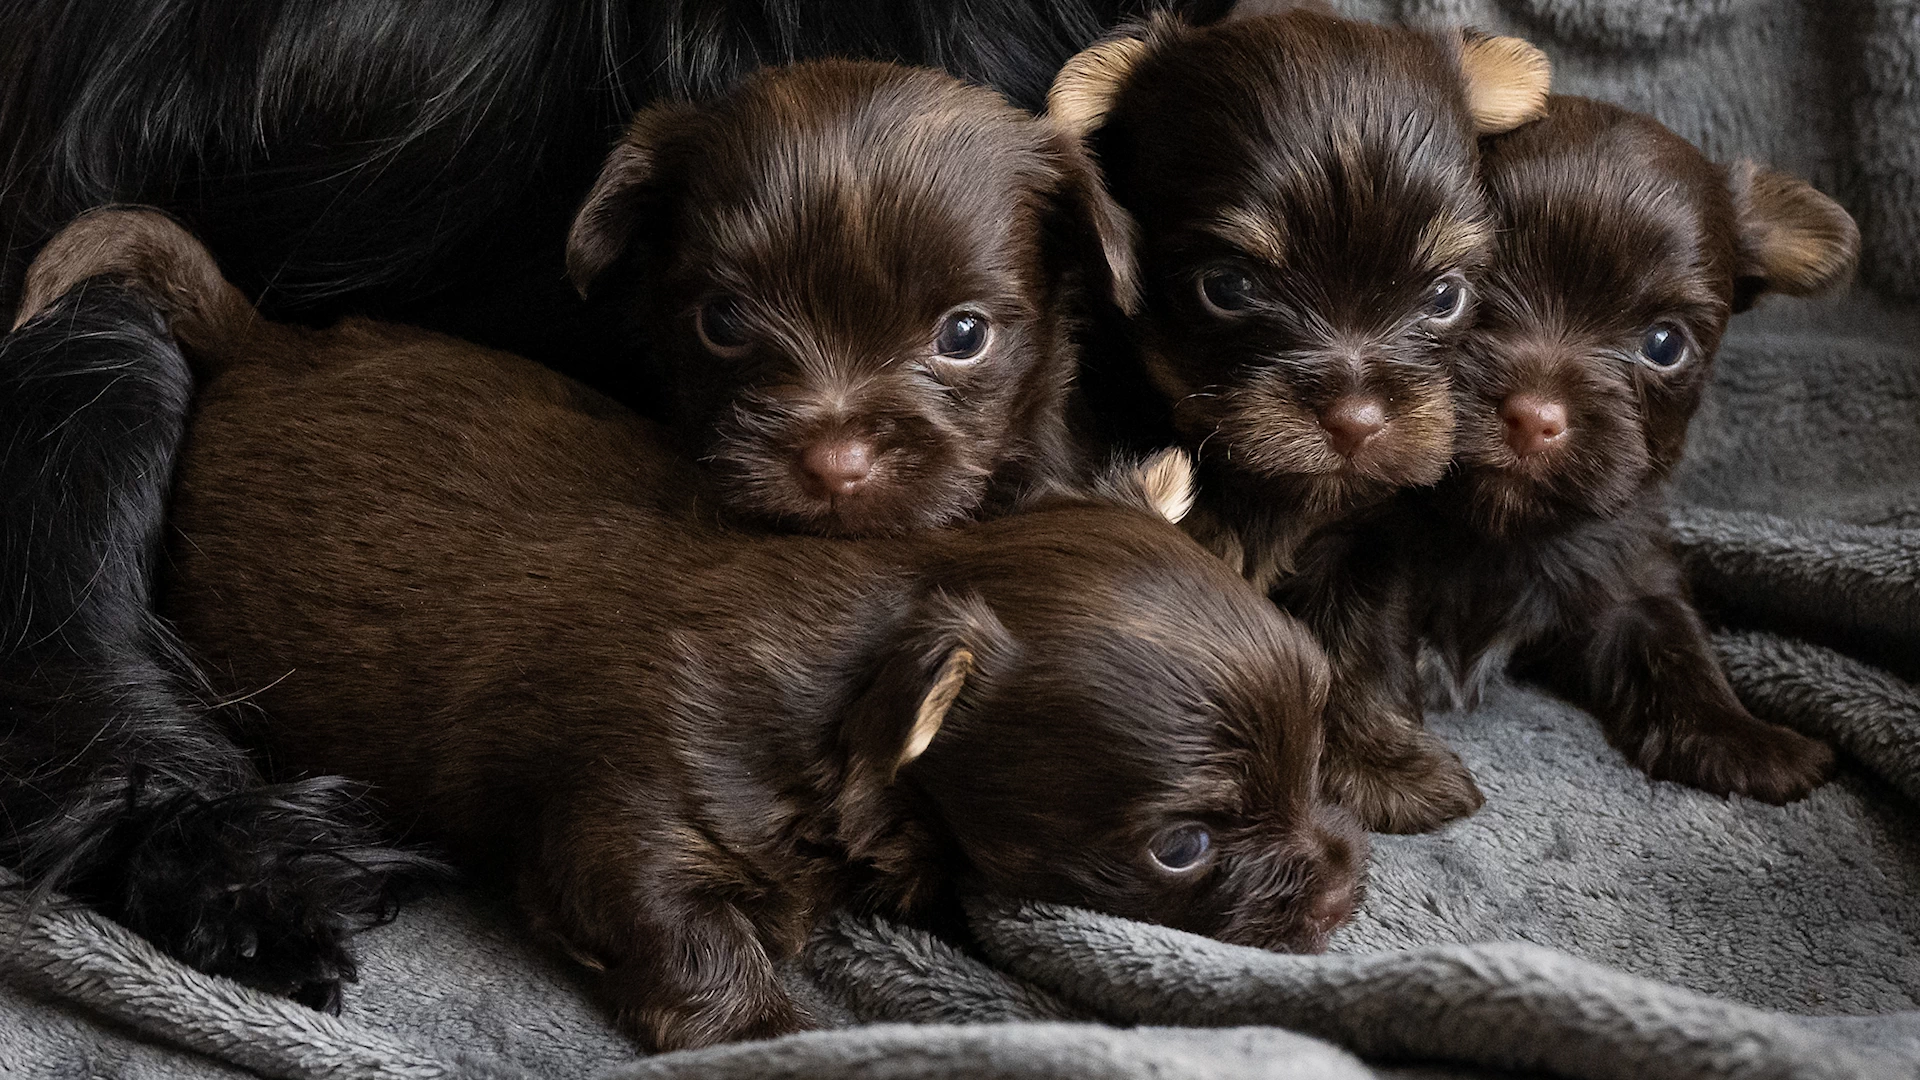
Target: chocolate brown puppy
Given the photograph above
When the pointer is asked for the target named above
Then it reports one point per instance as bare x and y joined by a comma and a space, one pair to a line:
1311, 222
858, 284
503, 601
1623, 251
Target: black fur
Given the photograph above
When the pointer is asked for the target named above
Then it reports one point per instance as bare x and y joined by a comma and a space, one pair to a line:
346, 155
117, 786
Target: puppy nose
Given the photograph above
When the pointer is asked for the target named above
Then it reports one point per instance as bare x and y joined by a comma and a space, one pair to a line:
1351, 421
836, 467
1534, 422
1332, 908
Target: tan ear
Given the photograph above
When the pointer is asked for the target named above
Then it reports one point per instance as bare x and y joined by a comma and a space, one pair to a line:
1083, 92
604, 225
1167, 479
932, 711
1793, 239
1507, 81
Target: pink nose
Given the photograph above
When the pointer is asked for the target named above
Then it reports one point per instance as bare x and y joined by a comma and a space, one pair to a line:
1351, 421
1534, 422
836, 467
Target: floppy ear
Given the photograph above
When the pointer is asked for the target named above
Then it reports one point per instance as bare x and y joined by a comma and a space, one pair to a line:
1102, 233
1167, 480
1792, 238
1083, 93
1506, 80
951, 648
605, 223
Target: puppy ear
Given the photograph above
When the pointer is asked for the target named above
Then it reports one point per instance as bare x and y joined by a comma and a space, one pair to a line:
1083, 93
1167, 479
605, 223
1793, 239
1506, 79
1099, 232
953, 644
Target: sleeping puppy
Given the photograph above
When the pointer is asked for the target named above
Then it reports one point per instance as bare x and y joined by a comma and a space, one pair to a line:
501, 600
1622, 253
1311, 223
858, 285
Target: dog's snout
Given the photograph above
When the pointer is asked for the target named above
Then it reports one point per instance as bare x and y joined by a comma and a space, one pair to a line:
1534, 422
836, 467
1352, 421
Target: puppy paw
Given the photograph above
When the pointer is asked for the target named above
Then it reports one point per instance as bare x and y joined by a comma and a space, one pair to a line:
670, 1021
1739, 755
1413, 784
266, 887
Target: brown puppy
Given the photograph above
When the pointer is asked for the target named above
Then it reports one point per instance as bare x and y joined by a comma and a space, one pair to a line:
1622, 253
858, 284
1310, 223
499, 599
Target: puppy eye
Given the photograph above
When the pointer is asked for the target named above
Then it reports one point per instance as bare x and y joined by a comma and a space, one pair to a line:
1181, 847
1227, 290
962, 336
1664, 346
722, 328
1446, 299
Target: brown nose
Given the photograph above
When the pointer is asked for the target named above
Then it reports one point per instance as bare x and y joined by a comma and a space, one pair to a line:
1351, 421
1534, 422
836, 467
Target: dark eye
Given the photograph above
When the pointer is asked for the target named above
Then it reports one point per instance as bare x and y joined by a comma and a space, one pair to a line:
1227, 290
962, 336
1446, 298
721, 327
1664, 346
1181, 847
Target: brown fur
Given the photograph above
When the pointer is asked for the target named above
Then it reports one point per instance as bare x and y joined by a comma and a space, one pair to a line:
500, 600
1555, 553
843, 209
1337, 172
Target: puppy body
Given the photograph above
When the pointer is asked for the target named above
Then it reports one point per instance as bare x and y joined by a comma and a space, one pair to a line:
1307, 250
857, 287
1623, 253
502, 601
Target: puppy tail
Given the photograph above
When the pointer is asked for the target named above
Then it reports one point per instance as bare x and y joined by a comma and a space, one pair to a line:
156, 256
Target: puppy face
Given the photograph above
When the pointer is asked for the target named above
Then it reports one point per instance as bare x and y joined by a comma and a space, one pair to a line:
1310, 219
1623, 251
1138, 732
858, 280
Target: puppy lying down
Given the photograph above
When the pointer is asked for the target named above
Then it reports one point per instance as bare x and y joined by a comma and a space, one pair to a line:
499, 600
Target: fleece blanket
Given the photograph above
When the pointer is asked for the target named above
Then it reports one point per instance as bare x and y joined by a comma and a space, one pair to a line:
1586, 923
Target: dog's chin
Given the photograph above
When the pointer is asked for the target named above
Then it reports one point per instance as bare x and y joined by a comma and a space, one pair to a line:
1525, 495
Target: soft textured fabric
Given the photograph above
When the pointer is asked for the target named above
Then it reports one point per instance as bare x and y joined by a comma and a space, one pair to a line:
1587, 922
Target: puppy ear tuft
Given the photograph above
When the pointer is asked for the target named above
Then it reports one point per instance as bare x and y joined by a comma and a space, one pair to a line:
1507, 81
604, 224
1083, 92
940, 696
1793, 239
1167, 479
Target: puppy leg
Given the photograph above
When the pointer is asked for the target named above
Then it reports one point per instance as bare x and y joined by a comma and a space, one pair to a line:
1379, 761
684, 965
116, 783
1646, 668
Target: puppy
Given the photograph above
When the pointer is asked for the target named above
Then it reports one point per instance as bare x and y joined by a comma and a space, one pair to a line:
498, 598
1309, 236
1622, 253
858, 286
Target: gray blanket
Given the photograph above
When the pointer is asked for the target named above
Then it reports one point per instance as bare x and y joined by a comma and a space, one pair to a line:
1586, 923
